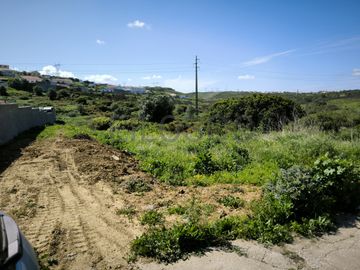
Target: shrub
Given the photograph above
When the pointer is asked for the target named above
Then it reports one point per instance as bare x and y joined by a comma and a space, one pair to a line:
37, 90
63, 94
266, 112
204, 164
81, 100
326, 121
101, 123
231, 201
169, 245
128, 211
136, 185
20, 84
3, 91
130, 124
157, 109
152, 218
52, 94
304, 201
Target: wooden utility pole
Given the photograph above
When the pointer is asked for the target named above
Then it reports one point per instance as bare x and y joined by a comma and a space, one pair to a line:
196, 86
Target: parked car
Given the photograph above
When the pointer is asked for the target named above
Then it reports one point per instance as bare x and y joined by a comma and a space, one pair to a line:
16, 253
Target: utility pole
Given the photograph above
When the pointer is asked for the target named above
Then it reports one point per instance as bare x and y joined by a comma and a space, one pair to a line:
196, 86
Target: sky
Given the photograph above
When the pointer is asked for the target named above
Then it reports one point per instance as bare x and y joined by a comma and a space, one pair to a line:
243, 45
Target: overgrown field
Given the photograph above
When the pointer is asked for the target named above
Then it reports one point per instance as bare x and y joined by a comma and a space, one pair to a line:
307, 177
301, 151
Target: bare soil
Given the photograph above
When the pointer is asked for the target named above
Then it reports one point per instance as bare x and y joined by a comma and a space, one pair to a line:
65, 196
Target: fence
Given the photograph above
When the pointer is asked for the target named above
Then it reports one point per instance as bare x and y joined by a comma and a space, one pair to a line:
15, 119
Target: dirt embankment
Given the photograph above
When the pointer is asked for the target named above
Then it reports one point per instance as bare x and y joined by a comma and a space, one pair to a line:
71, 223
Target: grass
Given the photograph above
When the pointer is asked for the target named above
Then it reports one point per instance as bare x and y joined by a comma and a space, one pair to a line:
128, 211
231, 201
152, 218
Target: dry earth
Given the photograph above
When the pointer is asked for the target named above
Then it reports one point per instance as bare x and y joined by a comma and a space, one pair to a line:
65, 194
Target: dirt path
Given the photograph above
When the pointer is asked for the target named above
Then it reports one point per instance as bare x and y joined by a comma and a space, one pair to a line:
71, 223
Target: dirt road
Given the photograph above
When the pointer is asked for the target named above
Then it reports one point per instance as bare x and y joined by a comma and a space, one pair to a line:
71, 223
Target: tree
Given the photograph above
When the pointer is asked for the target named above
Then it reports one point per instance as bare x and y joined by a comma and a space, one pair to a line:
3, 91
20, 84
157, 109
37, 90
63, 94
52, 94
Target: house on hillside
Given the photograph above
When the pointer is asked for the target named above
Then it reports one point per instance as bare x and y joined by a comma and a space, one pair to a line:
61, 82
32, 79
133, 89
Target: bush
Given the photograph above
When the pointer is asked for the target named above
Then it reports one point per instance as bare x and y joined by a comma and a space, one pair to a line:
169, 245
258, 111
20, 84
204, 164
37, 90
3, 91
130, 124
326, 121
304, 201
330, 186
231, 201
101, 123
52, 94
157, 109
63, 94
81, 100
136, 185
152, 218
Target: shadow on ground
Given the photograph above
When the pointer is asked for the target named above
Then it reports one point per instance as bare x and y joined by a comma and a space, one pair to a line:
12, 150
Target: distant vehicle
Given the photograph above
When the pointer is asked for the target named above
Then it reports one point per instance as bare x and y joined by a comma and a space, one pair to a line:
16, 252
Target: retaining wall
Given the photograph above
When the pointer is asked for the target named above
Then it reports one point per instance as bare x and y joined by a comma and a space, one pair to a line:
14, 120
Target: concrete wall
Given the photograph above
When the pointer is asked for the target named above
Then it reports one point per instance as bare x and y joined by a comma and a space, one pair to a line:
14, 120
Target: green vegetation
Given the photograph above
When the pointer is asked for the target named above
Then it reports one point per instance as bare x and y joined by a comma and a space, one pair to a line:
157, 109
3, 91
101, 123
231, 201
136, 185
152, 218
259, 111
301, 150
128, 211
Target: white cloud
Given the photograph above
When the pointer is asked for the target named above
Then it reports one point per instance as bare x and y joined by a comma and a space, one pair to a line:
246, 77
152, 77
185, 85
53, 71
100, 42
356, 72
138, 24
266, 58
101, 78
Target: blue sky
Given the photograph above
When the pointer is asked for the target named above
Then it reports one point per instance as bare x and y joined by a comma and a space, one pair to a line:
258, 45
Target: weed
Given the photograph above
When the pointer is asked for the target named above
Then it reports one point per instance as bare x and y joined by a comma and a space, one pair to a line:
135, 184
128, 211
152, 218
231, 201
